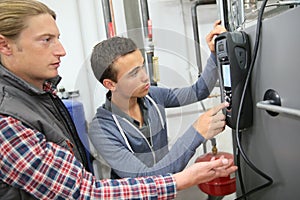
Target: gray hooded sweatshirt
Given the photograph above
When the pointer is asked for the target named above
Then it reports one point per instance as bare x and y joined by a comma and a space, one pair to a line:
129, 152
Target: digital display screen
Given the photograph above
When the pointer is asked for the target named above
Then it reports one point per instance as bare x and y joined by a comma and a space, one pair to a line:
221, 47
226, 75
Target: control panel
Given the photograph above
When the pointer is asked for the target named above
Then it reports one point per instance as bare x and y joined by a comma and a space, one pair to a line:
233, 59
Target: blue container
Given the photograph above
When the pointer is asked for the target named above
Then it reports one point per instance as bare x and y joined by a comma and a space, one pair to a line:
76, 111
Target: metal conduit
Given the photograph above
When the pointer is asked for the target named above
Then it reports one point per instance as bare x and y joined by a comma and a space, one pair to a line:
109, 26
145, 18
196, 30
149, 49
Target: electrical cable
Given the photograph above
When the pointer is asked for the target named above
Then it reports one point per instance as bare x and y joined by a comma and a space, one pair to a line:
250, 164
238, 158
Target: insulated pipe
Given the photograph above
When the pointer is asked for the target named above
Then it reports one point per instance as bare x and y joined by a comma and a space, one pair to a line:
145, 19
112, 18
150, 55
109, 27
147, 27
196, 31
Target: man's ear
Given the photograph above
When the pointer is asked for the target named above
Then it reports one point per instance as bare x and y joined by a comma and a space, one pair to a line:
5, 47
109, 84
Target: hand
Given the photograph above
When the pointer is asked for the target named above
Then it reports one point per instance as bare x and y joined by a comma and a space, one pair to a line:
210, 123
202, 172
210, 38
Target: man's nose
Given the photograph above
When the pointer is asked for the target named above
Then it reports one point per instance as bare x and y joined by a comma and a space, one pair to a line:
59, 49
144, 75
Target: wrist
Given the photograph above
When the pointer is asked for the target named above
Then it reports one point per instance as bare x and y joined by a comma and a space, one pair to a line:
182, 180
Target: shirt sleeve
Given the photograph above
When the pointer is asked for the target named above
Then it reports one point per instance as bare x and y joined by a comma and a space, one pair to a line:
174, 97
48, 171
113, 149
210, 73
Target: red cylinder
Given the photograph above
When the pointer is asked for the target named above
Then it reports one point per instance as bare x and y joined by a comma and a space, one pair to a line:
220, 186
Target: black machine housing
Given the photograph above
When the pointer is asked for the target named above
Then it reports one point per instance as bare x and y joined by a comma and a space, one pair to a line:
233, 59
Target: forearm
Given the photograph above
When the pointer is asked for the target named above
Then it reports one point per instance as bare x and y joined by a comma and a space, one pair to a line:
198, 91
210, 73
134, 166
47, 171
182, 182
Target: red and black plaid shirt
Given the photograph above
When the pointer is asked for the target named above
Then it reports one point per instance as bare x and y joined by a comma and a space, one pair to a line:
48, 171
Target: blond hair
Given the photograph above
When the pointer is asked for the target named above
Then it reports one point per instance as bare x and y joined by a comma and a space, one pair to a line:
14, 13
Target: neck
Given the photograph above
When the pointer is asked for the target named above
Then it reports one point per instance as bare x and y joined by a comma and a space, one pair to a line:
125, 104
130, 106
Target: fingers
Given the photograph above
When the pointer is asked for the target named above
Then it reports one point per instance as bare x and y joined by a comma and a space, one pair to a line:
202, 172
218, 29
226, 163
218, 117
216, 23
211, 122
218, 163
210, 36
218, 122
219, 130
213, 111
223, 172
222, 167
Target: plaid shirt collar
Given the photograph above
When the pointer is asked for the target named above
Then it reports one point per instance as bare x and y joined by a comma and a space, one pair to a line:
50, 85
50, 88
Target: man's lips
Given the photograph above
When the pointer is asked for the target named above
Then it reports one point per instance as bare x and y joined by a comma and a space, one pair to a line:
147, 86
56, 64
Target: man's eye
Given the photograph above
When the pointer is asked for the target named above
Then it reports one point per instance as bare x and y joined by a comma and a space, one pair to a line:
46, 39
136, 71
133, 74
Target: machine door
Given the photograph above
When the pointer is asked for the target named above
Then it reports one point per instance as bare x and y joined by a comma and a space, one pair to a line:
273, 142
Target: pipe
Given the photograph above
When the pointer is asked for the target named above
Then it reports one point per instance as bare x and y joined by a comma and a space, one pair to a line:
112, 18
145, 18
196, 30
213, 144
225, 15
109, 27
150, 55
147, 27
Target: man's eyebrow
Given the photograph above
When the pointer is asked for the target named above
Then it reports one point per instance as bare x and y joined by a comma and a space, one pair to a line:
134, 70
48, 35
